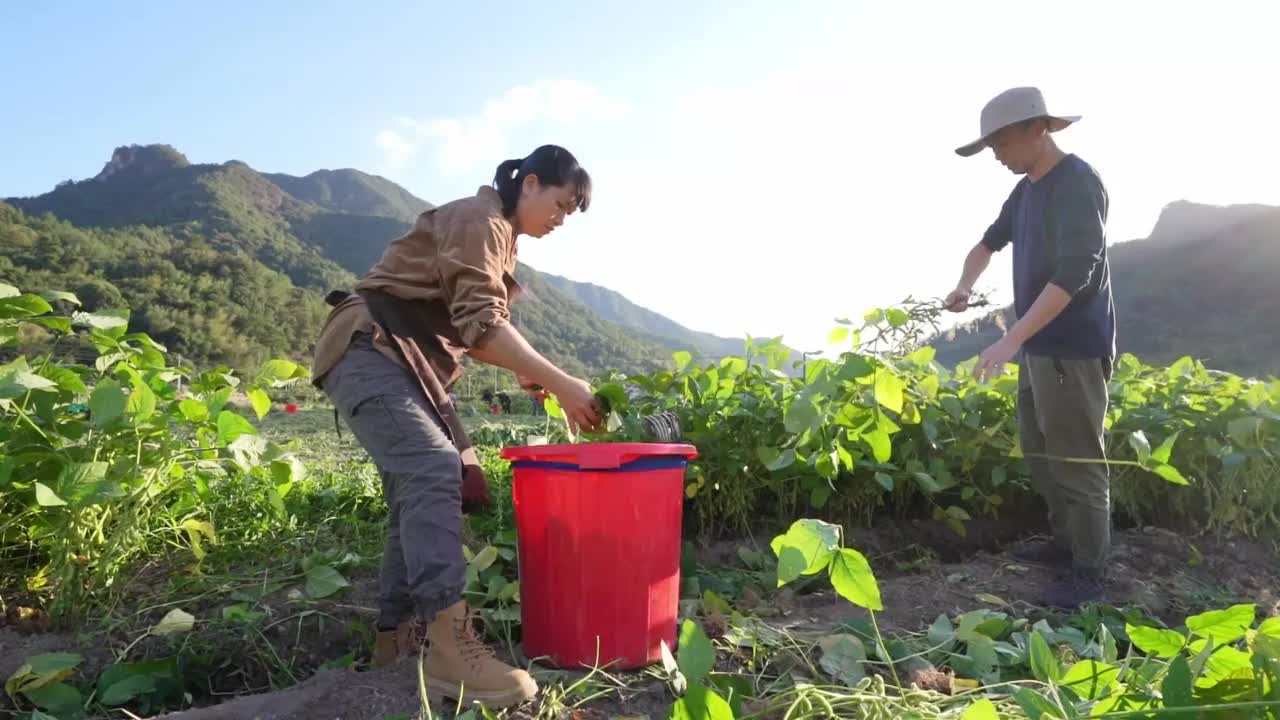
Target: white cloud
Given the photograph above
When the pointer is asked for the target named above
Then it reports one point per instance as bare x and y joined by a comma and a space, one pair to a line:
397, 150
465, 143
777, 199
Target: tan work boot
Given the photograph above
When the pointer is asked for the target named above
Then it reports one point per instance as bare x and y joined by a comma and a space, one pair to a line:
391, 645
460, 665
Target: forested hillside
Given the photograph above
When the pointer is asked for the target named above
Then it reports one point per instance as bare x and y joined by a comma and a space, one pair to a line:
200, 250
612, 305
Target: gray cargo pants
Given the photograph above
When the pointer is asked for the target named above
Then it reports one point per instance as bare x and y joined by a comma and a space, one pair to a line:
422, 564
1062, 406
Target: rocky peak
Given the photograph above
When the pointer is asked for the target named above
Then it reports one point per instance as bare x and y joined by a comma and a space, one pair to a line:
144, 160
1183, 220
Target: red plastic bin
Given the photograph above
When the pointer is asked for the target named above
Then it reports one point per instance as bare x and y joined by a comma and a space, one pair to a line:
598, 532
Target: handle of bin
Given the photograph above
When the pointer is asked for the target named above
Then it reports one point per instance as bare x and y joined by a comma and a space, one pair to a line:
602, 458
606, 458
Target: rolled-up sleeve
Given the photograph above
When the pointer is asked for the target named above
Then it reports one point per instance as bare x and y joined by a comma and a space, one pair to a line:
1000, 232
470, 257
1079, 214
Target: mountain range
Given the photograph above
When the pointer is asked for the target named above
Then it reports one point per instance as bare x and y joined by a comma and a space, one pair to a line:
198, 250
226, 264
1205, 283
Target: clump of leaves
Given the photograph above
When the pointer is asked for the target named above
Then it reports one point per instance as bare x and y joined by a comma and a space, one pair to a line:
101, 464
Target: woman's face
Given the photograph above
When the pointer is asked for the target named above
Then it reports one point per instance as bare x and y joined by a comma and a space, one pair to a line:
542, 208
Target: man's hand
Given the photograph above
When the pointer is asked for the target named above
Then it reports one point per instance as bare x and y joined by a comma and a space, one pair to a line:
992, 360
579, 404
958, 300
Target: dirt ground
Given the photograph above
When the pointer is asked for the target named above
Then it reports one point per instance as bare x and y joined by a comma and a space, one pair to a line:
1154, 570
1165, 574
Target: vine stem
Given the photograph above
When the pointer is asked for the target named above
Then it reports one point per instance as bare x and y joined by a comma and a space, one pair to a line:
1197, 710
27, 418
893, 669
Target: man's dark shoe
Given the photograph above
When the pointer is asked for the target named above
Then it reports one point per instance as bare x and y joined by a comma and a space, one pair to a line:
1074, 591
1043, 553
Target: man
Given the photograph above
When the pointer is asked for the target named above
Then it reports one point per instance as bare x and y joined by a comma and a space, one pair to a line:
1064, 335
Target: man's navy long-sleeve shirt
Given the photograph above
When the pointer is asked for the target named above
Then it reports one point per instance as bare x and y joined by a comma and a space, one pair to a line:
1057, 226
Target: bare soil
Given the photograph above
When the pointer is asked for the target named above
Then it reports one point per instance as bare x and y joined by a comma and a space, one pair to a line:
919, 574
1160, 572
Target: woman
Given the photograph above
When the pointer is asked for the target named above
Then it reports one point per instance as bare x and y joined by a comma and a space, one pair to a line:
386, 358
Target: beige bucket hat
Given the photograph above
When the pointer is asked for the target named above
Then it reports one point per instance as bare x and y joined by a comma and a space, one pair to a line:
1009, 108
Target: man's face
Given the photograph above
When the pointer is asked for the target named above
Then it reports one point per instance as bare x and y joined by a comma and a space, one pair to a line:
1018, 146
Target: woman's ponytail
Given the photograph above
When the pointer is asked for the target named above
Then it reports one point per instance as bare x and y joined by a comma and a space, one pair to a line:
507, 181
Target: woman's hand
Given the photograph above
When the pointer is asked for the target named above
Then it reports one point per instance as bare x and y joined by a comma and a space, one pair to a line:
530, 386
579, 403
505, 347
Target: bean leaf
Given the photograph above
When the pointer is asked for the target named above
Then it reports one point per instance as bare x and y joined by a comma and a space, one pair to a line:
1141, 446
701, 703
880, 442
1156, 642
126, 689
260, 400
1170, 473
176, 621
231, 426
1044, 664
695, 654
1091, 679
843, 656
23, 306
1165, 451
47, 497
323, 581
58, 698
278, 371
194, 410
142, 401
801, 415
791, 564
981, 710
852, 578
816, 540
59, 295
1224, 626
16, 380
64, 378
106, 402
1176, 687
889, 390
1035, 705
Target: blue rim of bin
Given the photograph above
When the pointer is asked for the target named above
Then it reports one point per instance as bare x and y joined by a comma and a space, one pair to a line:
596, 457
641, 465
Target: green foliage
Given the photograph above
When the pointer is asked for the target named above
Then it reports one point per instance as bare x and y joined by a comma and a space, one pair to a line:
1223, 661
696, 658
203, 302
883, 427
1222, 430
812, 546
104, 463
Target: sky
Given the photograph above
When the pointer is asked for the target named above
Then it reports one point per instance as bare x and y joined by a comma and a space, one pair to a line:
759, 167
